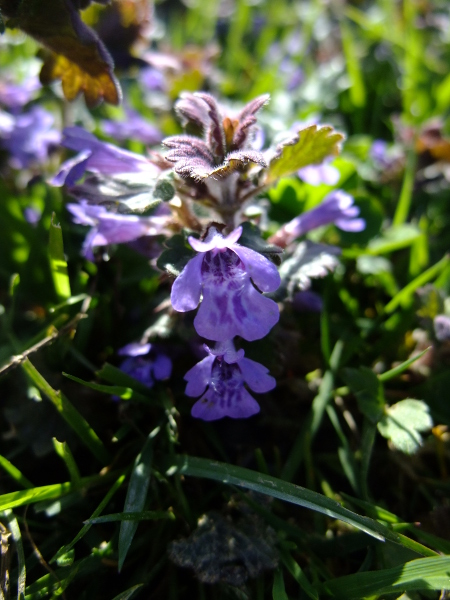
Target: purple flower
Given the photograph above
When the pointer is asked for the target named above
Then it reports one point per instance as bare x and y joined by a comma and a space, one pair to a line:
307, 300
97, 157
223, 374
442, 327
28, 137
145, 363
337, 207
113, 228
229, 277
379, 153
317, 174
134, 127
32, 215
16, 95
152, 79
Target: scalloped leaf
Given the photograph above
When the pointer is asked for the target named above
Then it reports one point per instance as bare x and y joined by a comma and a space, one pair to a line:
310, 146
403, 423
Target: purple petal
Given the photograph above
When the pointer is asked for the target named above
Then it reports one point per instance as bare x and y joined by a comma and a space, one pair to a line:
135, 349
307, 300
81, 215
140, 369
441, 325
162, 367
198, 377
209, 407
351, 224
262, 271
256, 376
225, 313
215, 239
72, 170
187, 287
317, 174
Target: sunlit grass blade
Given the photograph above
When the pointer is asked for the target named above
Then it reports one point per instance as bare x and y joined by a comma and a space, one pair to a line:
63, 451
17, 538
136, 496
15, 473
69, 413
405, 295
126, 393
35, 494
271, 486
400, 368
420, 574
117, 377
58, 264
377, 512
65, 549
297, 573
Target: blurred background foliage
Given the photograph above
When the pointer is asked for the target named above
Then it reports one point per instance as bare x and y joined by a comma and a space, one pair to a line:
348, 377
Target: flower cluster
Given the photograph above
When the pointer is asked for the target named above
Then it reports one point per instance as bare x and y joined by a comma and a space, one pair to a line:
228, 274
229, 278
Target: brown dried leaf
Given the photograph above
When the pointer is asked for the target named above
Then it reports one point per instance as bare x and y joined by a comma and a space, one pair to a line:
77, 55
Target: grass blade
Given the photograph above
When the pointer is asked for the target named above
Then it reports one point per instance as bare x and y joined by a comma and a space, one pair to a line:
69, 413
136, 496
128, 593
146, 515
87, 526
15, 473
419, 574
58, 264
283, 490
17, 537
278, 590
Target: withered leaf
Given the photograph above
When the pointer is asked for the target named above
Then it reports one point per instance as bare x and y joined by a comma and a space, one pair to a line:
77, 56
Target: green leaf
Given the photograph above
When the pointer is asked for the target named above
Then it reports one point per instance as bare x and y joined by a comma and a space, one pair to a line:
58, 264
69, 413
403, 422
368, 391
66, 560
283, 490
420, 574
178, 254
310, 146
136, 496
